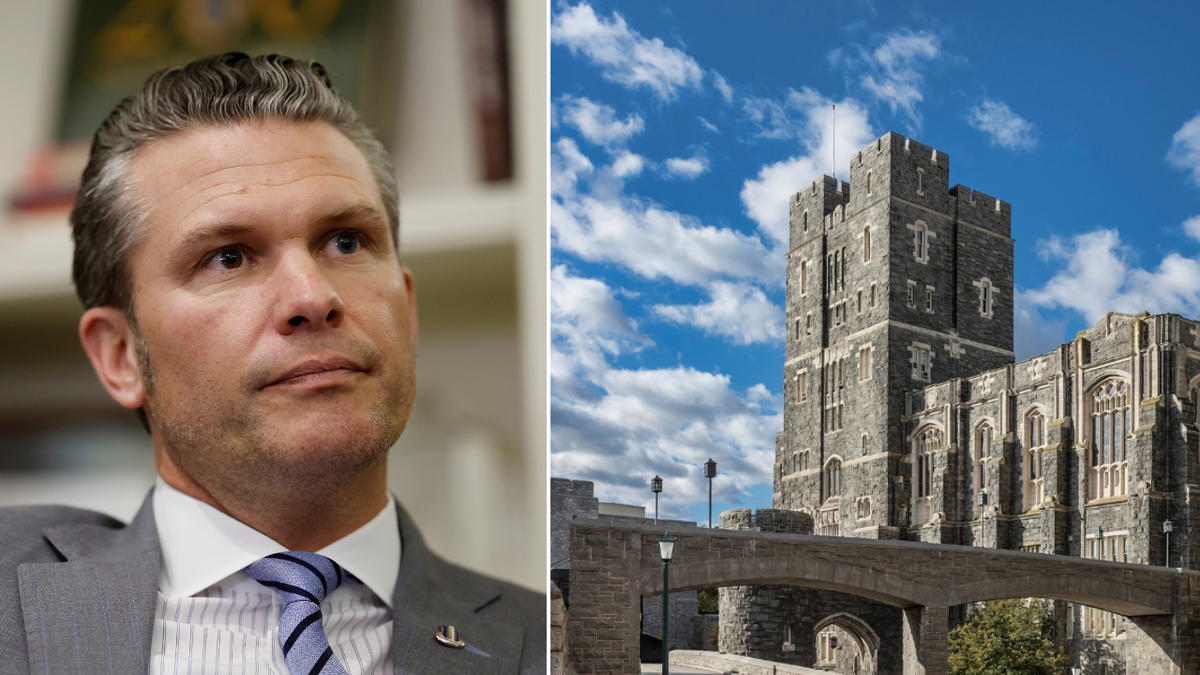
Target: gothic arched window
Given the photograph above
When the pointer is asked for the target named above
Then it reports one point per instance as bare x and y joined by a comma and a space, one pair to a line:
833, 478
1111, 428
924, 446
983, 445
1035, 441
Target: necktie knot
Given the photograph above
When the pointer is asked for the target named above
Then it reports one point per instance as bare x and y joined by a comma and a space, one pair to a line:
297, 575
303, 580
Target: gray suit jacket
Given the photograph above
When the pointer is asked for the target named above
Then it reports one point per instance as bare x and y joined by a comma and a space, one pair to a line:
78, 591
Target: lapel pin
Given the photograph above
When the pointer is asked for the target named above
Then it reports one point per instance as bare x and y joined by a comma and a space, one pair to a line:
448, 635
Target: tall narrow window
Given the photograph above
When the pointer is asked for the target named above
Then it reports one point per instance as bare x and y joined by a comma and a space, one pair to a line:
922, 358
803, 277
868, 182
924, 447
805, 219
983, 444
833, 478
920, 241
801, 386
872, 295
835, 402
808, 324
1110, 437
864, 364
1035, 442
929, 299
859, 301
912, 293
797, 330
920, 181
867, 244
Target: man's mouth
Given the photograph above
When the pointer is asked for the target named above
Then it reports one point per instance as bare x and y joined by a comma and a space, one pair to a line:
318, 373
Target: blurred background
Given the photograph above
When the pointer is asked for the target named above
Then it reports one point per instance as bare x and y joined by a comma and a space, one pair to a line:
456, 89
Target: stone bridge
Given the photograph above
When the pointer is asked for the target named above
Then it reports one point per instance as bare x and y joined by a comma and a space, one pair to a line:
614, 565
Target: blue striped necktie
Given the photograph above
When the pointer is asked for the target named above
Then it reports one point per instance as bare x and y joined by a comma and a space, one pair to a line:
303, 579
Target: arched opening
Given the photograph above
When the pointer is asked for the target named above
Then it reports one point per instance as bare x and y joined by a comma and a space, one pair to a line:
846, 644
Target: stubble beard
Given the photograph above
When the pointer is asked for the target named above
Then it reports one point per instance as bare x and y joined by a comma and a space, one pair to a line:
229, 447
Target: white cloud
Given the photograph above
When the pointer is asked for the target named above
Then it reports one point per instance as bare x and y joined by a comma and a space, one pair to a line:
627, 165
618, 427
666, 421
1004, 127
603, 224
1185, 149
740, 312
567, 166
587, 323
892, 74
722, 86
598, 122
1191, 227
1102, 275
623, 55
766, 196
708, 125
688, 169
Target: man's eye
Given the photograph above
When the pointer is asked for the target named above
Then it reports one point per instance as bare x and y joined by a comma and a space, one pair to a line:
229, 259
345, 243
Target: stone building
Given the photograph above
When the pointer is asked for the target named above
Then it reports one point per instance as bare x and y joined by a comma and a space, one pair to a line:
906, 416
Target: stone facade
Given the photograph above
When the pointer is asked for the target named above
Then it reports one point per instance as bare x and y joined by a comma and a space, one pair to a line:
906, 417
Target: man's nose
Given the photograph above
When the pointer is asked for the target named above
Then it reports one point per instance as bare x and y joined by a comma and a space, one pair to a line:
306, 296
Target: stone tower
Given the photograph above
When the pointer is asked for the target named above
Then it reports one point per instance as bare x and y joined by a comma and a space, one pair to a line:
894, 281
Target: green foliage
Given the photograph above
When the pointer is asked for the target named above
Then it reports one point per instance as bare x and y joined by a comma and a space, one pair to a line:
709, 600
1007, 638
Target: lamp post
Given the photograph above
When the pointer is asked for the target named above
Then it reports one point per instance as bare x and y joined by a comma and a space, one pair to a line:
666, 549
710, 472
656, 487
1167, 531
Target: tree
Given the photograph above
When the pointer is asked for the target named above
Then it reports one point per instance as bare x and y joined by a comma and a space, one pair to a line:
1009, 637
710, 600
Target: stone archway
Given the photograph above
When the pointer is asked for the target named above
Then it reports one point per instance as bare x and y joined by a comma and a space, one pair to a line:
857, 651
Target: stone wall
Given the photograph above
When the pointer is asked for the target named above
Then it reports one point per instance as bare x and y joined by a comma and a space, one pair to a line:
558, 632
569, 500
685, 618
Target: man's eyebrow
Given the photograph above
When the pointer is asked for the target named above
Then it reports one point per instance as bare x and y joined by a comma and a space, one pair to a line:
206, 233
357, 211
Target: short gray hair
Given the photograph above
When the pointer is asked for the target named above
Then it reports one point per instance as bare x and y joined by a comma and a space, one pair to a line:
108, 219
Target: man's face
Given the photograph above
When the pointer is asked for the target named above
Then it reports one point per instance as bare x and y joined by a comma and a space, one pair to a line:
278, 323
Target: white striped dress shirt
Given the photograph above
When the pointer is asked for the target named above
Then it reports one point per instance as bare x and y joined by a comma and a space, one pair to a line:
212, 619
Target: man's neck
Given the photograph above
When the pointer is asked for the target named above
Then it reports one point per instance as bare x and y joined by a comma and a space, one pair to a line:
299, 521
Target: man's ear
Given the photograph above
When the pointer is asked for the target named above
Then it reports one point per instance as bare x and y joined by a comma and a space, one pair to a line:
108, 340
411, 289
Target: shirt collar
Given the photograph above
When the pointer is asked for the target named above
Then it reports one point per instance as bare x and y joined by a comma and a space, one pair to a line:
201, 546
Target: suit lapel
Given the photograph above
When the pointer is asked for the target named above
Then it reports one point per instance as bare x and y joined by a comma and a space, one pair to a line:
426, 598
93, 613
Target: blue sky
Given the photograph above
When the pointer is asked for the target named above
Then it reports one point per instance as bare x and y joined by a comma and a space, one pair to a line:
680, 128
